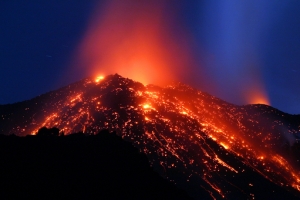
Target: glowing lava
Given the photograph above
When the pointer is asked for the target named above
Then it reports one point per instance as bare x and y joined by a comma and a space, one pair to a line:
257, 95
134, 39
182, 130
99, 78
146, 106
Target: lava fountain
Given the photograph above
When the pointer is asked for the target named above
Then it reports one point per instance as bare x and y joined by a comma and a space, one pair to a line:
133, 39
144, 41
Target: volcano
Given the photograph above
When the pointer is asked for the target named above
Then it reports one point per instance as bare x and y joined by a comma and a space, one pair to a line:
199, 142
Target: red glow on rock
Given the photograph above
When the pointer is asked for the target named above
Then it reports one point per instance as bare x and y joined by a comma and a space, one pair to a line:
259, 99
133, 39
257, 95
99, 78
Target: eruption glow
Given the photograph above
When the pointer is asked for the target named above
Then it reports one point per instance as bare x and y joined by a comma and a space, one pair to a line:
99, 78
256, 95
144, 41
132, 38
177, 127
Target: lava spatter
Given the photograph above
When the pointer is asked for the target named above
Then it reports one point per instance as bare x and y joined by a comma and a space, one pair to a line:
199, 142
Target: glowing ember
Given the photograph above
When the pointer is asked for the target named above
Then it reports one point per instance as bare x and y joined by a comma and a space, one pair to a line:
259, 99
99, 78
179, 128
146, 106
257, 94
224, 145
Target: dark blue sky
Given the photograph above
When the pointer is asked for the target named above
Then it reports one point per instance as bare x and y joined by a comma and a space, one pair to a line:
37, 40
240, 45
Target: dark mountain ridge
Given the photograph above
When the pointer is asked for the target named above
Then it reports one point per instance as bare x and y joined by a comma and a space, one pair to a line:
78, 166
192, 138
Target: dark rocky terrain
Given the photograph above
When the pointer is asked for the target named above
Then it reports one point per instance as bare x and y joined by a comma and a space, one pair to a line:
78, 167
197, 141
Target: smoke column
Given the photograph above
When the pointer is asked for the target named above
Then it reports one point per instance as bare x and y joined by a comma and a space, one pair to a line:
203, 44
132, 38
231, 32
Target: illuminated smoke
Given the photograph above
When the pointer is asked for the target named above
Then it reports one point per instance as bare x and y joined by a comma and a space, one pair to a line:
232, 32
132, 38
145, 41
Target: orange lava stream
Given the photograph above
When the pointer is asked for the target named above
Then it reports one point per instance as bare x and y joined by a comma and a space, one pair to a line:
199, 114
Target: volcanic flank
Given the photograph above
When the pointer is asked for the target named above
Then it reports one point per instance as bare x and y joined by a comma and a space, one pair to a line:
197, 141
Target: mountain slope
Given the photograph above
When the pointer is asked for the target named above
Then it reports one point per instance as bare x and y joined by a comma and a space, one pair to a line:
190, 137
78, 167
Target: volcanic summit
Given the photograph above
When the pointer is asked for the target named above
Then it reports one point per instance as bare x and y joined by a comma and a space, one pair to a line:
197, 141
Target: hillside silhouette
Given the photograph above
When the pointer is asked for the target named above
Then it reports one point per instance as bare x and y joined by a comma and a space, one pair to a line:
78, 166
197, 141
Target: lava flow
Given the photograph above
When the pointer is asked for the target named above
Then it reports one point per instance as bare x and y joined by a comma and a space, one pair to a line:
199, 142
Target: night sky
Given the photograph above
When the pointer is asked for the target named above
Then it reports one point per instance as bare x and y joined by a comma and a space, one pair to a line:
230, 49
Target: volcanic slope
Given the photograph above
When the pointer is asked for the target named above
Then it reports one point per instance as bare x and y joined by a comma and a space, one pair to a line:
78, 166
190, 137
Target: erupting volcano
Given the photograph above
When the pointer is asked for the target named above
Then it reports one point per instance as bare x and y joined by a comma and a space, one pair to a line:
201, 143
